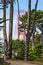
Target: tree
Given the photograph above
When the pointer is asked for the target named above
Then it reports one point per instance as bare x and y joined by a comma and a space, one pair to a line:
29, 28
5, 2
4, 28
28, 31
8, 45
11, 27
10, 30
3, 20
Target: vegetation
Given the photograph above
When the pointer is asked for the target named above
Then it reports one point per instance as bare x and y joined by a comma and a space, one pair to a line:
18, 48
32, 47
35, 54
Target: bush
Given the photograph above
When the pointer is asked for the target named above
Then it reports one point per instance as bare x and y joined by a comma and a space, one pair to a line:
37, 52
18, 49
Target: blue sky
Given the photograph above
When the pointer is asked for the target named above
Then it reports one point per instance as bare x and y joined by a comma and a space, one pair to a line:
23, 6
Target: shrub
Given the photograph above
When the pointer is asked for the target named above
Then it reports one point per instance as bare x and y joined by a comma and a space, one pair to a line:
37, 52
18, 49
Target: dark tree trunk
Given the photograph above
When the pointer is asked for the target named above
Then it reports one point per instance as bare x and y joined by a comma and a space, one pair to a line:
33, 22
29, 29
4, 28
28, 32
10, 30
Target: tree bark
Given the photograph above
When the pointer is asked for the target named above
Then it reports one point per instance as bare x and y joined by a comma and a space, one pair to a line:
28, 32
4, 28
29, 29
10, 30
33, 22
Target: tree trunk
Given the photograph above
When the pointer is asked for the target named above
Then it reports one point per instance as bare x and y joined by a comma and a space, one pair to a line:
10, 30
28, 32
4, 28
33, 22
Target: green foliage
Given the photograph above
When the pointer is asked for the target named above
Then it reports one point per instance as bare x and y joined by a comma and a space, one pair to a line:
38, 19
24, 24
34, 54
18, 47
37, 38
37, 52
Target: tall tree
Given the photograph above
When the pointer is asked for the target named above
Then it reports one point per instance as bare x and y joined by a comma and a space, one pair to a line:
29, 29
11, 26
4, 28
10, 29
3, 20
